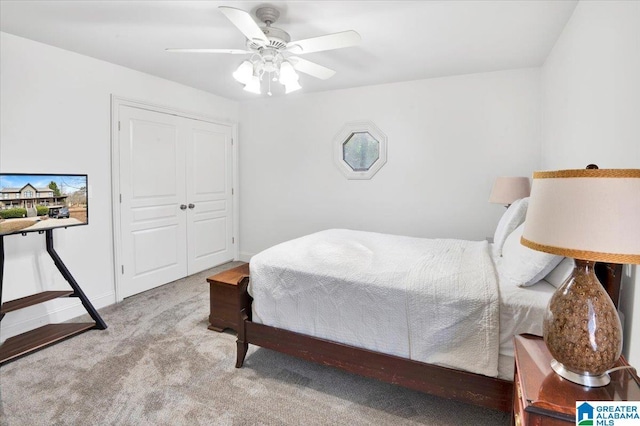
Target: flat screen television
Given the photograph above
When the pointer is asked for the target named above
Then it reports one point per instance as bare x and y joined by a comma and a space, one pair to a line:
37, 202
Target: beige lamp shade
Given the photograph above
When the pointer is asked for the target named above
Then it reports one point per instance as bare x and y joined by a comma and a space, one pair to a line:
588, 214
507, 189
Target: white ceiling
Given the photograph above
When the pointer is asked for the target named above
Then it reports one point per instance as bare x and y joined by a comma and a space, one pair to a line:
401, 40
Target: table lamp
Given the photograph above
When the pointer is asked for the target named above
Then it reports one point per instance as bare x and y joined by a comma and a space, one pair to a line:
591, 215
507, 189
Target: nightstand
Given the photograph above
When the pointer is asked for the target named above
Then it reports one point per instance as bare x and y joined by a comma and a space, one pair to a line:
541, 397
224, 297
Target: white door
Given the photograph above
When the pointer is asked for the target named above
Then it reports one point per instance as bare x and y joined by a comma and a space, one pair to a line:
175, 189
209, 177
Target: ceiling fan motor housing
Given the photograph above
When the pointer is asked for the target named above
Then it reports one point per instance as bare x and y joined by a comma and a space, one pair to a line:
278, 39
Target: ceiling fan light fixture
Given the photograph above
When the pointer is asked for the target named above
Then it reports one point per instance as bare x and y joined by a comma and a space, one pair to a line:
244, 72
253, 85
287, 74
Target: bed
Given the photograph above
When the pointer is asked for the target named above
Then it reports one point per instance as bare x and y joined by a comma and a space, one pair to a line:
367, 303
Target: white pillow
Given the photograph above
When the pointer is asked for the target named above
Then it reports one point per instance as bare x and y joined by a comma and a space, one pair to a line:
523, 266
510, 220
560, 273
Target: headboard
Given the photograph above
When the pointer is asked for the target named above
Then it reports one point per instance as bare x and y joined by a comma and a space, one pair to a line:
610, 275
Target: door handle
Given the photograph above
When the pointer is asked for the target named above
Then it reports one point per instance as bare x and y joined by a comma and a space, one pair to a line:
191, 205
183, 207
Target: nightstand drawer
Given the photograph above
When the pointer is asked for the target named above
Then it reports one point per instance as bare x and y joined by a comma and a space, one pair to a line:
223, 294
224, 312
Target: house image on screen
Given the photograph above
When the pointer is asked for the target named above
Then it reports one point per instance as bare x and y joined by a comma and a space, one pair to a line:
28, 197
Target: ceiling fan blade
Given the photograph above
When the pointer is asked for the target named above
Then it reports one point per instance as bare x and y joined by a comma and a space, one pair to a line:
311, 68
230, 51
245, 23
325, 42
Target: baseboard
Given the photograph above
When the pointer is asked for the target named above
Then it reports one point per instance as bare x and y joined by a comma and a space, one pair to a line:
246, 257
56, 315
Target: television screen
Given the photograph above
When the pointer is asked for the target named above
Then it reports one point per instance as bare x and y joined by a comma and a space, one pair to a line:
37, 202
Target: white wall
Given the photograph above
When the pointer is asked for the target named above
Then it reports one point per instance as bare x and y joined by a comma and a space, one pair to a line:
448, 138
591, 109
55, 118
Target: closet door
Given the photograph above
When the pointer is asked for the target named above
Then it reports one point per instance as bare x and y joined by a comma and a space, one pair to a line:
209, 181
152, 191
175, 180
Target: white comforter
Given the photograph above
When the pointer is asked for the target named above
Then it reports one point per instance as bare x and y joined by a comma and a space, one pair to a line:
434, 301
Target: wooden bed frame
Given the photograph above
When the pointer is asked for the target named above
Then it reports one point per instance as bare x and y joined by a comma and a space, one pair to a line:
432, 379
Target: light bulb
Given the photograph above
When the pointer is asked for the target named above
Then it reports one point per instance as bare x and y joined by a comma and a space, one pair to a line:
287, 74
253, 85
244, 72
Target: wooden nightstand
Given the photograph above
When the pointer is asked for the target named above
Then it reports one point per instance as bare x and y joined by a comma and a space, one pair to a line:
541, 397
225, 297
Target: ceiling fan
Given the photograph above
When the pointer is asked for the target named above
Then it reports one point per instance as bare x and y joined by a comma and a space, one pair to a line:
272, 51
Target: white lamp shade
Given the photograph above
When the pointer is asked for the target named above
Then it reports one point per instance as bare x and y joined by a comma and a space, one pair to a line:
287, 74
292, 86
588, 214
253, 85
244, 72
507, 189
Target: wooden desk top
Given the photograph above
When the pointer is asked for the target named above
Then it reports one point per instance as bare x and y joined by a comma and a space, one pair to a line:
547, 393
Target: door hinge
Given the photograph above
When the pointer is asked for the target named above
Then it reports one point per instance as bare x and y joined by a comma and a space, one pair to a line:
120, 198
122, 269
118, 126
233, 240
231, 141
231, 191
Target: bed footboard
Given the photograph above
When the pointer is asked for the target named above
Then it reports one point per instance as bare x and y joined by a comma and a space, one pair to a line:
432, 379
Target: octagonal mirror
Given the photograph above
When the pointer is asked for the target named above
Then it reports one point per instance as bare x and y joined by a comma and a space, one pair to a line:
360, 150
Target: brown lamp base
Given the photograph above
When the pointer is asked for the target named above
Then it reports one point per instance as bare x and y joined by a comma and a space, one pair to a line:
581, 379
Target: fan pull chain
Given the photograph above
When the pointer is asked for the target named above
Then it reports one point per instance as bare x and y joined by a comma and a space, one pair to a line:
269, 92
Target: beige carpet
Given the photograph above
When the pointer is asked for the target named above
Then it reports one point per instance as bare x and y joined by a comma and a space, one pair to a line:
158, 364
